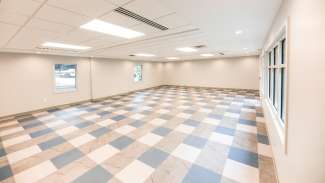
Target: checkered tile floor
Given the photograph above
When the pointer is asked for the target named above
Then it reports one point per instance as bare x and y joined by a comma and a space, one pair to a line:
167, 134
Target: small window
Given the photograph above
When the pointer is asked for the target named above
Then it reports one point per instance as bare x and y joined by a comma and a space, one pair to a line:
65, 77
137, 73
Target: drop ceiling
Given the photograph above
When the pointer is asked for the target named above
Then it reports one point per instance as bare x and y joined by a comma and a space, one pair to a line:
26, 25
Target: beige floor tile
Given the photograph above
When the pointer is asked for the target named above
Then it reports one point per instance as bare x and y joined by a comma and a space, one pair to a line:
35, 173
22, 154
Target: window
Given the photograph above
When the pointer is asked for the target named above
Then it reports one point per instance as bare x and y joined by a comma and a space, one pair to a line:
65, 77
275, 77
137, 73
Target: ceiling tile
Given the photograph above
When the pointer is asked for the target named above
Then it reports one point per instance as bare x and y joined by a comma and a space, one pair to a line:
31, 38
12, 18
36, 23
91, 8
121, 20
102, 41
79, 35
7, 31
172, 21
149, 9
119, 2
61, 16
21, 7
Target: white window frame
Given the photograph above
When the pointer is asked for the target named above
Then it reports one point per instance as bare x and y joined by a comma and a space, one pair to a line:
58, 91
280, 123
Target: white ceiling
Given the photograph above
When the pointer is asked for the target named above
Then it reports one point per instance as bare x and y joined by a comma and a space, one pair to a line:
26, 24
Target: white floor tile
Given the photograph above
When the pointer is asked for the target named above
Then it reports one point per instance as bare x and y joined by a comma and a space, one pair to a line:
185, 128
211, 121
232, 115
106, 122
103, 153
55, 123
186, 152
221, 138
125, 129
92, 117
136, 172
158, 121
67, 130
184, 115
137, 116
83, 139
240, 172
150, 139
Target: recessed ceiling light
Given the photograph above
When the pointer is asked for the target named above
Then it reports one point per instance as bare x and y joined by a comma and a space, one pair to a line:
239, 32
245, 48
108, 28
207, 55
186, 49
144, 55
65, 46
172, 58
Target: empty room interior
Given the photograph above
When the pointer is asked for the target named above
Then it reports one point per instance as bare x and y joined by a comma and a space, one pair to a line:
162, 91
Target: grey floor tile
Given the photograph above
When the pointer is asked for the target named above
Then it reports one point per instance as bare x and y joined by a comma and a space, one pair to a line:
99, 132
198, 174
95, 175
162, 131
122, 142
243, 156
153, 157
5, 172
66, 158
41, 132
51, 143
195, 141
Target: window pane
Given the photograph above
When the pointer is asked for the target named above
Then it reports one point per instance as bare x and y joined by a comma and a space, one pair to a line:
282, 95
65, 77
137, 73
275, 56
283, 51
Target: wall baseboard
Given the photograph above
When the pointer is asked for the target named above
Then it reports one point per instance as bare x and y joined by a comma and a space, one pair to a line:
212, 87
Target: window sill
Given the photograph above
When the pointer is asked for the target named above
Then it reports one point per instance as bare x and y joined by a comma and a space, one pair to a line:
276, 121
65, 91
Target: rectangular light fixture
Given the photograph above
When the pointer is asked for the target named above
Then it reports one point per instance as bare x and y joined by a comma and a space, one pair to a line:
207, 55
186, 49
111, 29
172, 58
144, 55
65, 46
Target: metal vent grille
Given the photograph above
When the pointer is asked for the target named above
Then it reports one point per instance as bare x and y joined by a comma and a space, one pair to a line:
57, 50
140, 18
199, 46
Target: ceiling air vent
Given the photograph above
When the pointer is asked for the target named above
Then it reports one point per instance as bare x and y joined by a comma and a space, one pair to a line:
132, 55
200, 46
140, 18
220, 53
57, 50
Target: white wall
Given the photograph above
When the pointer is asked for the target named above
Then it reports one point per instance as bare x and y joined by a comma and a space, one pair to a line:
27, 82
305, 158
240, 72
110, 77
